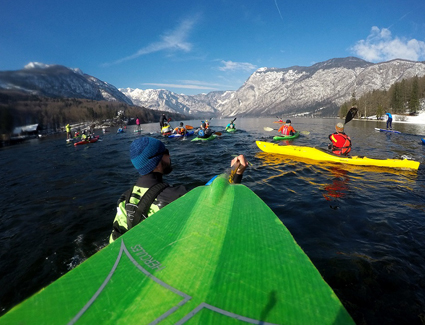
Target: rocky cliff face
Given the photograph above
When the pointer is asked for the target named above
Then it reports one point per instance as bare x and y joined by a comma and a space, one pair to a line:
321, 87
326, 84
295, 90
59, 81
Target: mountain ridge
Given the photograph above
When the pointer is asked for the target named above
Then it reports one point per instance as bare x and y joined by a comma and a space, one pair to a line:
320, 88
59, 81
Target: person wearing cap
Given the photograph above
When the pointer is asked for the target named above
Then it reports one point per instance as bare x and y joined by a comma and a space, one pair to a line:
341, 143
287, 129
180, 129
152, 160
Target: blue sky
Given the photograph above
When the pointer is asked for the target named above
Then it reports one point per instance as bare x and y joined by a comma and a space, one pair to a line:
200, 46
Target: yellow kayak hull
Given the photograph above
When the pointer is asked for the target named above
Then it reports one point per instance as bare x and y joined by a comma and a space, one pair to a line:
319, 155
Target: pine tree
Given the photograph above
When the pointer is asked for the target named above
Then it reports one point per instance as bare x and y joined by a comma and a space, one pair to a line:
414, 96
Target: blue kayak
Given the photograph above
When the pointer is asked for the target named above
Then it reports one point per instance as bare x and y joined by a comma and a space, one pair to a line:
423, 140
384, 130
176, 135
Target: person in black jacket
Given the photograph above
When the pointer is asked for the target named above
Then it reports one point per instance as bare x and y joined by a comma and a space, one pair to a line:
150, 193
162, 121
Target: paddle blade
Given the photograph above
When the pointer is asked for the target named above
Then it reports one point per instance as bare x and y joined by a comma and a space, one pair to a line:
304, 132
189, 127
233, 120
350, 115
218, 133
268, 129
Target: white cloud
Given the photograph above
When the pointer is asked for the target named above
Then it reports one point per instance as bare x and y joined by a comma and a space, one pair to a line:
174, 40
233, 66
380, 45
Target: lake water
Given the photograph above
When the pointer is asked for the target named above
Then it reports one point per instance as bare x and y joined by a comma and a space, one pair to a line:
363, 228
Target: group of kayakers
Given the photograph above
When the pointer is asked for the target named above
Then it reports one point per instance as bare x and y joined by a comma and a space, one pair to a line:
203, 131
340, 142
166, 128
85, 135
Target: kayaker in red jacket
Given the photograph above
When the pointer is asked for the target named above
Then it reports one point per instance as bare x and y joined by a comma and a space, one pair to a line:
287, 129
341, 143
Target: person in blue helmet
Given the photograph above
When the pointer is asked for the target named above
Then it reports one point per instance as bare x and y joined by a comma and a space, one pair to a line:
150, 193
389, 120
204, 131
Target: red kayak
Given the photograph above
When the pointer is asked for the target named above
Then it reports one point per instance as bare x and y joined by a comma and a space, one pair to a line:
85, 141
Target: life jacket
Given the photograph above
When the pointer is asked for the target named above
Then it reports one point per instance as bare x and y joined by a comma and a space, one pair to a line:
166, 129
341, 143
180, 130
288, 130
134, 206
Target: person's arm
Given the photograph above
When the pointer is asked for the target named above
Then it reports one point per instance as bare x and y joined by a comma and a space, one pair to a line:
242, 166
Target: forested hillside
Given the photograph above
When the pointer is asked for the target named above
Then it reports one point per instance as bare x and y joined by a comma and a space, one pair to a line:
402, 98
53, 113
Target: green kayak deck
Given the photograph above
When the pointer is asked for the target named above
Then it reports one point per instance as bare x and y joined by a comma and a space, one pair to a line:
217, 255
287, 137
211, 137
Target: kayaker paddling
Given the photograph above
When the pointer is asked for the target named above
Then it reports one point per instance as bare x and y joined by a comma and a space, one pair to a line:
204, 131
180, 129
287, 129
150, 193
231, 125
340, 142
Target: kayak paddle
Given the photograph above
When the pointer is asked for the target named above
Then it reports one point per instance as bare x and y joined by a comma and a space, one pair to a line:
351, 114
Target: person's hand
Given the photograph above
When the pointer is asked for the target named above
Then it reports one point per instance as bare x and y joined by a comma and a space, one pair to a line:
242, 164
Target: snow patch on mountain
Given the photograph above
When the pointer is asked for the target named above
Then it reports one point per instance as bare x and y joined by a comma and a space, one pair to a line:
36, 65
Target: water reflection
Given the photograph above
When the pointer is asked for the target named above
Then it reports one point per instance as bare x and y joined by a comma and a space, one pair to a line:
338, 188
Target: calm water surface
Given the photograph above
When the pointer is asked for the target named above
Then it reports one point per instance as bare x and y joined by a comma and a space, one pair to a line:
363, 228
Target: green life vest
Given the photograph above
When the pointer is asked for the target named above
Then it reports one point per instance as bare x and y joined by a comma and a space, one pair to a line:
134, 206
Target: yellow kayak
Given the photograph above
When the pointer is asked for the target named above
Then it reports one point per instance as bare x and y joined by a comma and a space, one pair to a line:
319, 155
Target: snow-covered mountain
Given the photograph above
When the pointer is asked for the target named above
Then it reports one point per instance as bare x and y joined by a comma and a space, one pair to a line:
164, 100
293, 90
268, 91
59, 81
